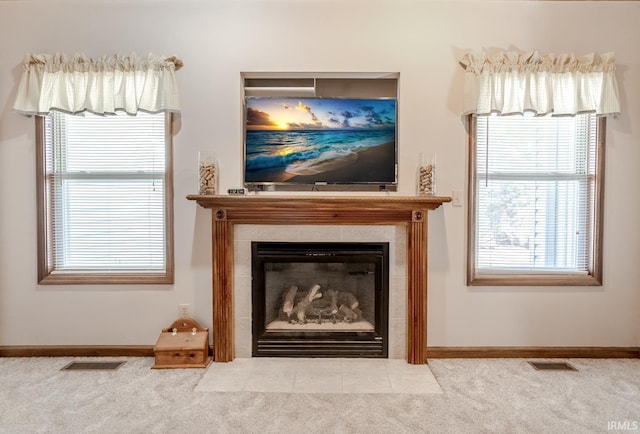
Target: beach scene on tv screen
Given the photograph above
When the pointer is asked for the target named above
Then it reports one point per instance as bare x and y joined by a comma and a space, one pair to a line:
317, 140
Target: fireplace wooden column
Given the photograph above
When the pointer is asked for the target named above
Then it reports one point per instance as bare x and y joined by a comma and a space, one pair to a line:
410, 211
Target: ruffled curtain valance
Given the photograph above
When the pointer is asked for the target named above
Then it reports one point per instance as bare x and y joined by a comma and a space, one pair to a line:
102, 85
510, 83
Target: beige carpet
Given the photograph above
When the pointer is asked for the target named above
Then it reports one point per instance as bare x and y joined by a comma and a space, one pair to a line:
492, 396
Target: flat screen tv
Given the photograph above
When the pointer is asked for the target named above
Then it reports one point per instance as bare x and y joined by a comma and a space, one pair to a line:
320, 141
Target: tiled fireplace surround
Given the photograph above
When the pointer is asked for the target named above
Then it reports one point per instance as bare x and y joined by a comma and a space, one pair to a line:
394, 235
399, 220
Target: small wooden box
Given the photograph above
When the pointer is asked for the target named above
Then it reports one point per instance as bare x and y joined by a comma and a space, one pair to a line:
183, 345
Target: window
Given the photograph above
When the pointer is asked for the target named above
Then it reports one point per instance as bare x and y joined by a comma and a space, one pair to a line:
105, 198
535, 200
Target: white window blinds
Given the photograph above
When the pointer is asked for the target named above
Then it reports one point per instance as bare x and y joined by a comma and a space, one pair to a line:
105, 184
535, 193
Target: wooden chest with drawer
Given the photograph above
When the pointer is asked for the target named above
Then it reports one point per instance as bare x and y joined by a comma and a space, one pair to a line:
183, 345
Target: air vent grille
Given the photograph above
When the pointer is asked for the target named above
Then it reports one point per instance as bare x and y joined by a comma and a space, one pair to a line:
92, 366
552, 366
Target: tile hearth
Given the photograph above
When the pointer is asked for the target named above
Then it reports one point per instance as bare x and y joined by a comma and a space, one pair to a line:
309, 375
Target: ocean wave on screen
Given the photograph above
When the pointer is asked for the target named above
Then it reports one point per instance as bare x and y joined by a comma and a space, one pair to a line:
261, 161
282, 149
314, 165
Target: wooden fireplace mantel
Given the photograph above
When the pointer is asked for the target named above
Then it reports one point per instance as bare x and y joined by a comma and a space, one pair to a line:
410, 211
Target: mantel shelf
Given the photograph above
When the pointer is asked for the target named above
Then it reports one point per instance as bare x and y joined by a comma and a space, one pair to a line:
283, 209
410, 211
386, 202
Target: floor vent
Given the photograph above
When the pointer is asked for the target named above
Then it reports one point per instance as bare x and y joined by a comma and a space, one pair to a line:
92, 366
552, 366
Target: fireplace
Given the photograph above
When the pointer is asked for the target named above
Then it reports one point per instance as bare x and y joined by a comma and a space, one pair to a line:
320, 299
230, 211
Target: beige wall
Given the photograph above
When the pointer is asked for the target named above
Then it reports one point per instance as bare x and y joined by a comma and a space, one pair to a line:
421, 40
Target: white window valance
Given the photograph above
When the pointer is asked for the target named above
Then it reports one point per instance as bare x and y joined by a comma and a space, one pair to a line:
511, 82
99, 85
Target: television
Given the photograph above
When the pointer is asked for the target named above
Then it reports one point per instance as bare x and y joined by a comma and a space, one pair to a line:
311, 141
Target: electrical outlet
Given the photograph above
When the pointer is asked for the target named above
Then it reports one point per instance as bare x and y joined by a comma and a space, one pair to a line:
456, 197
183, 309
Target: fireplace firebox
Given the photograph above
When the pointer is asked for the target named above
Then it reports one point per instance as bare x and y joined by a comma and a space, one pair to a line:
320, 299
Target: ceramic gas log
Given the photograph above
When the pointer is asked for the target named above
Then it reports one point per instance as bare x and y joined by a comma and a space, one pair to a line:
319, 306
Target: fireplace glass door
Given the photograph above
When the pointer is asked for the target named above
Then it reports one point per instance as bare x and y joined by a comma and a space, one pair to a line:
320, 299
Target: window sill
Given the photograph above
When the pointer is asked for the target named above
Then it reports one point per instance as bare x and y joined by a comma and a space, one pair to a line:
74, 278
533, 280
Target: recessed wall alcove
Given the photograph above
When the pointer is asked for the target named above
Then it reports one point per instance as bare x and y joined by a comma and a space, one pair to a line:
359, 120
228, 211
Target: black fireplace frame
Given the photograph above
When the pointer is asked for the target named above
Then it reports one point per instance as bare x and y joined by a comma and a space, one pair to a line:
360, 344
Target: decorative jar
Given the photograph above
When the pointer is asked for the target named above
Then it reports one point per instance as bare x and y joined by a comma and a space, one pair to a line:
207, 172
427, 175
